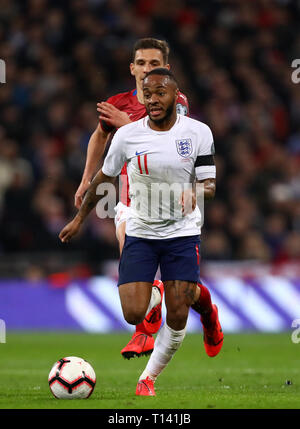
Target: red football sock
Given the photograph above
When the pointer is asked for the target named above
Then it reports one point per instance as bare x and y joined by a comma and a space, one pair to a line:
204, 305
141, 328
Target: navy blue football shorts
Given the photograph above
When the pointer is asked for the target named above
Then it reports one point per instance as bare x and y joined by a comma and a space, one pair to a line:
178, 259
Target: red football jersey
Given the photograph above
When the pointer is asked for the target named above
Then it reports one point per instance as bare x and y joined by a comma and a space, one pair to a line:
128, 102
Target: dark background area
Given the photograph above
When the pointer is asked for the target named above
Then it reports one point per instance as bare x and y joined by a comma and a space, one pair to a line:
232, 60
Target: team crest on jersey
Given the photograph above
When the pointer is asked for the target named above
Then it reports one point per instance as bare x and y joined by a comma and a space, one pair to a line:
184, 147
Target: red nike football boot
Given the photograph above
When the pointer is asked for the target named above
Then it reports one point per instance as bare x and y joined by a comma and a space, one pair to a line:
140, 345
142, 342
212, 334
145, 387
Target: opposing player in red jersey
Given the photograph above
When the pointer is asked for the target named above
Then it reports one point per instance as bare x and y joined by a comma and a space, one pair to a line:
117, 111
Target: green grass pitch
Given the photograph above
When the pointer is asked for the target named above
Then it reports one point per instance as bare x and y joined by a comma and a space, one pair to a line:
252, 371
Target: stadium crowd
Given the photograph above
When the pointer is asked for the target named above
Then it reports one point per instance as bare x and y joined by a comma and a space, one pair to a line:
233, 61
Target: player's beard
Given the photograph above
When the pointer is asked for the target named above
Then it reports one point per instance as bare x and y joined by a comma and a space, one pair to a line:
166, 117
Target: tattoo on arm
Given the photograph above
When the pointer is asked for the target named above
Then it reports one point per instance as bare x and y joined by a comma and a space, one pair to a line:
89, 202
209, 186
91, 198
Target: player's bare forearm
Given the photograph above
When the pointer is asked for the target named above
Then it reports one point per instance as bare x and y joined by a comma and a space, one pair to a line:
188, 199
91, 198
209, 188
89, 202
95, 150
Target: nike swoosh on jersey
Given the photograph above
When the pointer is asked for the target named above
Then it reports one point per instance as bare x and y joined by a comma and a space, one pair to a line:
140, 153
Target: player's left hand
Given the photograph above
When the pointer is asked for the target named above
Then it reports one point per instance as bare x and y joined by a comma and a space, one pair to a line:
188, 201
111, 115
71, 229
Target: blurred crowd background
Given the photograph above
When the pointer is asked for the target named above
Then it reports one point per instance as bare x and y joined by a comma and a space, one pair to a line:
232, 60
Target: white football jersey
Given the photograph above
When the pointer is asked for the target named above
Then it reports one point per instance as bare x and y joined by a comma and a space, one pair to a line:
160, 165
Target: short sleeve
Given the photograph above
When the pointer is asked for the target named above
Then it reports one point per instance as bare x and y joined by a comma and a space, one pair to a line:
115, 158
205, 167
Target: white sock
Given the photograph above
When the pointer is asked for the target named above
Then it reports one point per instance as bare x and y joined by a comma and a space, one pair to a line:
155, 299
166, 344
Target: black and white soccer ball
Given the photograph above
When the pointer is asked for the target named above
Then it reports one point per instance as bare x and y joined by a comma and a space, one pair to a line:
72, 378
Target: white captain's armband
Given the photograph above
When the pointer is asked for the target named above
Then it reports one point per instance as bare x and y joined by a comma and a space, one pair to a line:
205, 167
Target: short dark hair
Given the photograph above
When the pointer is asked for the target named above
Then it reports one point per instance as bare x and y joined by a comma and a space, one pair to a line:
162, 72
150, 43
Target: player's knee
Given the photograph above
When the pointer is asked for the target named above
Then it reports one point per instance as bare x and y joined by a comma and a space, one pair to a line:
134, 316
177, 318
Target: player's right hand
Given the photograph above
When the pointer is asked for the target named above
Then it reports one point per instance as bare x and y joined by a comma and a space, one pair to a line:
71, 229
82, 188
188, 201
111, 115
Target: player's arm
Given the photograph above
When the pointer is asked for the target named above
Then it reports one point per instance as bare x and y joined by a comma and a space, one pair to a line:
205, 172
205, 166
89, 202
95, 151
206, 190
209, 188
111, 168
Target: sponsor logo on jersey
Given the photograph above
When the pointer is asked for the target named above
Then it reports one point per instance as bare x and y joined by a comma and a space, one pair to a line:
140, 153
184, 147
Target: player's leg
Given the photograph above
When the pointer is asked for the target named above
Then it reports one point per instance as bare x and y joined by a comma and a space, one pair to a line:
202, 304
180, 272
152, 321
120, 233
150, 325
138, 304
135, 298
212, 331
179, 295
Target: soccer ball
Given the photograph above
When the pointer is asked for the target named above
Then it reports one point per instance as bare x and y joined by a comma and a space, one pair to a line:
72, 378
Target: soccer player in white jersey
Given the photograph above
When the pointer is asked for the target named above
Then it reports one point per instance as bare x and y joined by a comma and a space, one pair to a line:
161, 150
121, 109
